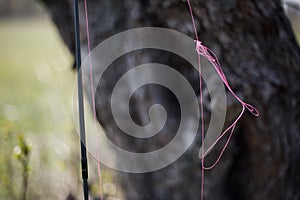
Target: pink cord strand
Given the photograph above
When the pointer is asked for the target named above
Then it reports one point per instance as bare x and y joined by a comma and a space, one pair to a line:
92, 88
210, 55
201, 106
212, 58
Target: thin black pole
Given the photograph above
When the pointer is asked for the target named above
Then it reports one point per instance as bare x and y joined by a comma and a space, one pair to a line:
84, 165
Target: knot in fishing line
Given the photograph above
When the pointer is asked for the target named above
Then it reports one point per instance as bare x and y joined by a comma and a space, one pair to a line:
203, 50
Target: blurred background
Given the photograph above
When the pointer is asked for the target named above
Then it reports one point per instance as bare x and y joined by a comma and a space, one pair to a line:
39, 147
39, 155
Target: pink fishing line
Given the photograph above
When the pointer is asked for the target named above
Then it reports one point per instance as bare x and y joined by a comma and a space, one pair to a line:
92, 87
212, 58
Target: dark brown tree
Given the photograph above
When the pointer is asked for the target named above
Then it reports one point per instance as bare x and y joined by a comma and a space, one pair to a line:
260, 55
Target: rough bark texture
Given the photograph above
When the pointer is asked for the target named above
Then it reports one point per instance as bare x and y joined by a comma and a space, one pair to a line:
258, 51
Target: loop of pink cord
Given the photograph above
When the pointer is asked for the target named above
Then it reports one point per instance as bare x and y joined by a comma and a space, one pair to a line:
92, 88
206, 52
212, 58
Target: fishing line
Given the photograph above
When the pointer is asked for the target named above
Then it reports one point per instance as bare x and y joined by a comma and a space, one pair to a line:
92, 88
212, 58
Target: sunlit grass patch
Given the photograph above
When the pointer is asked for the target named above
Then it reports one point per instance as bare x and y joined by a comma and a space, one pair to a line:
35, 68
36, 85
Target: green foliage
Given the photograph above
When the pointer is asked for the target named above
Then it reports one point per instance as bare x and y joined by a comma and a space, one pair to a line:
23, 149
22, 153
36, 84
7, 171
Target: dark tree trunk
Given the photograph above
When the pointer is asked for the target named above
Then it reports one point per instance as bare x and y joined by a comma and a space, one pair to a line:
258, 51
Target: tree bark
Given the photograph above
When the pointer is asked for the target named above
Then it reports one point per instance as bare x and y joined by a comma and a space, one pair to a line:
255, 44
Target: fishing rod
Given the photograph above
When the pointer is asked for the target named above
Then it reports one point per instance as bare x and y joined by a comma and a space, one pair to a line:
84, 164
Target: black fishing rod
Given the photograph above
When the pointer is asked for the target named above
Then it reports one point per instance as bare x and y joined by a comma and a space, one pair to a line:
84, 164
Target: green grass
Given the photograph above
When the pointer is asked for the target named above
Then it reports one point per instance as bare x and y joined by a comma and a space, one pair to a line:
34, 67
36, 85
